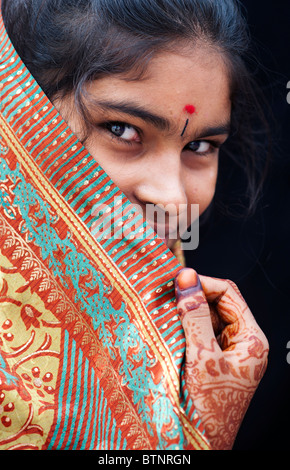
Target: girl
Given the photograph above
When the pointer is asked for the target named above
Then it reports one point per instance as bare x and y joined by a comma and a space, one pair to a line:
107, 343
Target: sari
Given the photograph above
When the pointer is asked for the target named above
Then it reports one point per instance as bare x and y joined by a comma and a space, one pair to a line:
91, 345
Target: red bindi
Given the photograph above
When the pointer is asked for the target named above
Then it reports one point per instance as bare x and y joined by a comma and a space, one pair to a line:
189, 108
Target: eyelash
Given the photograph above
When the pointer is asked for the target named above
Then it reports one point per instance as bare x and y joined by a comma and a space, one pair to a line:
107, 125
214, 145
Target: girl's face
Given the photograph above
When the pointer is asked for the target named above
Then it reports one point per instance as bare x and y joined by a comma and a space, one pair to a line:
158, 138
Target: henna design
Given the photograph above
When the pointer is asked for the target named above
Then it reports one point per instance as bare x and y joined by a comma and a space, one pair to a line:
222, 371
256, 349
196, 303
222, 409
210, 367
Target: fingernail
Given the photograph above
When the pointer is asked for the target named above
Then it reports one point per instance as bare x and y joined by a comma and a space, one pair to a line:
187, 282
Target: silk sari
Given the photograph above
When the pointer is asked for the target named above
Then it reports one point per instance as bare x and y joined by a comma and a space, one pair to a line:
91, 345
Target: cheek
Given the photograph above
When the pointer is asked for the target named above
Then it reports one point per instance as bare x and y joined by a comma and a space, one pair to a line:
201, 189
123, 178
123, 175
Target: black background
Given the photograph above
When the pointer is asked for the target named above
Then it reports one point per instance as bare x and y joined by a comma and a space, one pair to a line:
254, 253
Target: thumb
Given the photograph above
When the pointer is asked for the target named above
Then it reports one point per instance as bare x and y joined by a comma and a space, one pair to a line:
194, 312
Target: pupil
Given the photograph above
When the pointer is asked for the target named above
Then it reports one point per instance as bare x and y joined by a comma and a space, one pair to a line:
118, 129
194, 145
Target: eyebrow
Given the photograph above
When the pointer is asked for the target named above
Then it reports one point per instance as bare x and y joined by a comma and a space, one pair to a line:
137, 111
160, 122
224, 129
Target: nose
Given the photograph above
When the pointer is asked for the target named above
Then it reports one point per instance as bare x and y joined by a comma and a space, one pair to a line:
161, 184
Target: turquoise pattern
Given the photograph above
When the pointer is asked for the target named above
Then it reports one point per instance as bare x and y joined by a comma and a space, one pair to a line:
100, 420
93, 297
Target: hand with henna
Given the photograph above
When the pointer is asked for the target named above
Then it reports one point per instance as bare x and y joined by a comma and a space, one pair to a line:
226, 353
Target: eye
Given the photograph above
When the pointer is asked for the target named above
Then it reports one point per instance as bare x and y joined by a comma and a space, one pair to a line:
199, 146
123, 131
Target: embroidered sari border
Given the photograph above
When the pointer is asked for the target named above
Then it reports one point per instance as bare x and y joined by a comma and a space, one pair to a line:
102, 259
70, 179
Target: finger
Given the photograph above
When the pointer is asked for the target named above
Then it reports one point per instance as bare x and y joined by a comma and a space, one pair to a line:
195, 314
187, 279
241, 326
228, 301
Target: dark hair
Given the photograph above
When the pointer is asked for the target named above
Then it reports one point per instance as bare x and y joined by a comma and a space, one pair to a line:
65, 43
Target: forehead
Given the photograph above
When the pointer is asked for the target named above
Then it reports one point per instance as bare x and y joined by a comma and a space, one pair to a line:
173, 82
